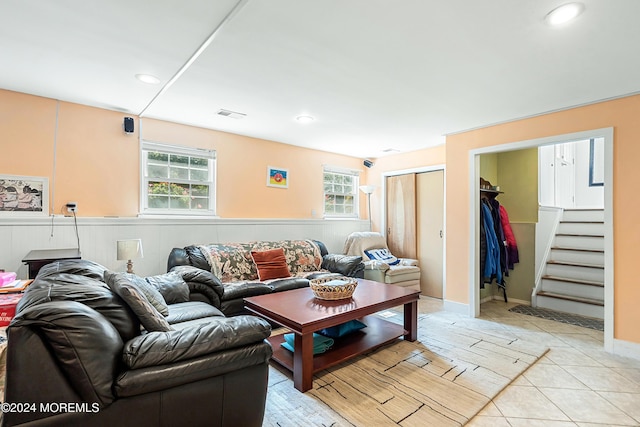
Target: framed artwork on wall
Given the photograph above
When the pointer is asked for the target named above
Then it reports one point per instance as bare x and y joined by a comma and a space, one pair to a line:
24, 195
277, 177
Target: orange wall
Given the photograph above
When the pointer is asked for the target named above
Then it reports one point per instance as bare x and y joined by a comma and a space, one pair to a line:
26, 135
242, 171
622, 115
97, 164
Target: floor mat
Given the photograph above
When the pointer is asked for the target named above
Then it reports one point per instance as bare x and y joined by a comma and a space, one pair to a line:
558, 316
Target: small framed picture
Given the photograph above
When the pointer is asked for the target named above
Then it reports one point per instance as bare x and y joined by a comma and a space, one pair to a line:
277, 177
24, 195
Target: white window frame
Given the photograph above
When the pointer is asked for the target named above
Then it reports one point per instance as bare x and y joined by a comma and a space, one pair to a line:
147, 146
356, 196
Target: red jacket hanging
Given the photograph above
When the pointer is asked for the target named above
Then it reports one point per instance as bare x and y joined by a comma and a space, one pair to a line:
512, 247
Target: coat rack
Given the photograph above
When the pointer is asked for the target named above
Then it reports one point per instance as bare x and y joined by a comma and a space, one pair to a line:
490, 192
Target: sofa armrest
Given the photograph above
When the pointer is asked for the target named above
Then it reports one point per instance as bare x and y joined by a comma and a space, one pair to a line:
161, 348
346, 265
408, 261
203, 282
177, 256
376, 265
189, 255
249, 359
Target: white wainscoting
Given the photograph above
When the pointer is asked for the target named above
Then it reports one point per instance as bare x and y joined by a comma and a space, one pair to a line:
98, 237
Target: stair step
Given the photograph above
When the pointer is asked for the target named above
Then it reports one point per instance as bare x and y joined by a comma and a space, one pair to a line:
570, 306
575, 270
577, 281
572, 287
563, 248
581, 222
590, 301
594, 242
581, 227
576, 264
583, 215
580, 256
579, 235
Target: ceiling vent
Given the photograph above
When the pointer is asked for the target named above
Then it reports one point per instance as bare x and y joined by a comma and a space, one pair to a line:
391, 150
231, 114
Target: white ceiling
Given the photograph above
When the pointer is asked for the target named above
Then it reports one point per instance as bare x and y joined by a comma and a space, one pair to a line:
376, 74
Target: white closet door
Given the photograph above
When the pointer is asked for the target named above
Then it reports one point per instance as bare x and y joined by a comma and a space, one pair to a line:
430, 228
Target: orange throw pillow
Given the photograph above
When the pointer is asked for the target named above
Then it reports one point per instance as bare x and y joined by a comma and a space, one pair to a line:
271, 264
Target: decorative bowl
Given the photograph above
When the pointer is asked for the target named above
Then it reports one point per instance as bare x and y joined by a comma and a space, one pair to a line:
334, 287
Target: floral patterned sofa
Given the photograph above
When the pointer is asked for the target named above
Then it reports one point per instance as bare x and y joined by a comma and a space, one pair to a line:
235, 271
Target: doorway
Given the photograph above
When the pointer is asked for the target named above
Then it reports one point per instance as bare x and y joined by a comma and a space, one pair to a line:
607, 137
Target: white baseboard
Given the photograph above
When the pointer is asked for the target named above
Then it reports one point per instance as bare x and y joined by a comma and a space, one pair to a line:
457, 307
626, 349
501, 298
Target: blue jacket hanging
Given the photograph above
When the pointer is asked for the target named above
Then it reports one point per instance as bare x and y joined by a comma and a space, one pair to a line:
492, 265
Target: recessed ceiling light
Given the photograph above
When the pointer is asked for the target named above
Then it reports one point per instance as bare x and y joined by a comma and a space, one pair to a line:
148, 78
305, 119
564, 13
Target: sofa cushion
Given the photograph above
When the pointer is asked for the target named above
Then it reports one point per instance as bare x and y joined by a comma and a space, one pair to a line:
219, 334
153, 295
149, 317
279, 285
301, 255
171, 286
230, 262
186, 311
245, 290
271, 264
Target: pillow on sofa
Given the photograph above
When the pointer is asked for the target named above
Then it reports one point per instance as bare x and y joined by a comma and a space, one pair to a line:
149, 317
153, 295
271, 264
382, 255
171, 286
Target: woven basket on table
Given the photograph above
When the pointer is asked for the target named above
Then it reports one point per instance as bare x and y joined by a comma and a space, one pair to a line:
323, 290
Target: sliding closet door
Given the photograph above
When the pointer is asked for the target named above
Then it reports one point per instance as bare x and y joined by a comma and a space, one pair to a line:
430, 213
401, 215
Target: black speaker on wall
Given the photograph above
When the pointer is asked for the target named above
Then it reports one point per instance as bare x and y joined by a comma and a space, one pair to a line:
368, 163
128, 124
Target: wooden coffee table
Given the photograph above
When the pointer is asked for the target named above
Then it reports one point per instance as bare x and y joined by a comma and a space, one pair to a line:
302, 313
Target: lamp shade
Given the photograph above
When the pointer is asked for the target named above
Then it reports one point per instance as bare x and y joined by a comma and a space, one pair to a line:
129, 249
367, 189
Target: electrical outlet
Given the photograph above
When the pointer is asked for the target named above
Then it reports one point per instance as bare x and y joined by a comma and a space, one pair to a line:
72, 207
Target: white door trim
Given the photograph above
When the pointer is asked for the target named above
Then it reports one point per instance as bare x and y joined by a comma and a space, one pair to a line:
474, 217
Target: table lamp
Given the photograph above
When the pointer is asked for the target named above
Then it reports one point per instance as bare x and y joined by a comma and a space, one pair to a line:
128, 250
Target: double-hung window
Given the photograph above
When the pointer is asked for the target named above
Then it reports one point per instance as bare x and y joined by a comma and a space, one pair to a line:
177, 180
340, 192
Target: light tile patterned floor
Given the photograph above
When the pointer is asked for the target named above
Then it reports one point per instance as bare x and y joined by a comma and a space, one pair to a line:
576, 383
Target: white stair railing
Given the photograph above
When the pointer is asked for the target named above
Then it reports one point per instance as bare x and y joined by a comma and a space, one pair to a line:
548, 220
